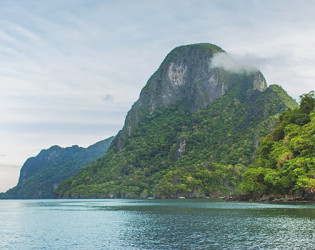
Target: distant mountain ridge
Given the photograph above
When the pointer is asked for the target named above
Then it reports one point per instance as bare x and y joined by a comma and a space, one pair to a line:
192, 132
41, 175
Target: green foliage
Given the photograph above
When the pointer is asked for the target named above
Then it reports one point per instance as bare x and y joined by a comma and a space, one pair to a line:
307, 102
174, 144
286, 161
41, 175
201, 180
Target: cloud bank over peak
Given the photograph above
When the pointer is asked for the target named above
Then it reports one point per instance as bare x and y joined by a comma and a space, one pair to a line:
226, 62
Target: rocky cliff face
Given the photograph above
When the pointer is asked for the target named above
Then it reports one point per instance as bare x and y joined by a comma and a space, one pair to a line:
187, 75
34, 164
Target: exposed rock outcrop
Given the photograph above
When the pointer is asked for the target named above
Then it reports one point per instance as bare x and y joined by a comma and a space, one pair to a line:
186, 75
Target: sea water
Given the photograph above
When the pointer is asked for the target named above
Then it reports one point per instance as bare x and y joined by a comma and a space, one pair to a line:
155, 224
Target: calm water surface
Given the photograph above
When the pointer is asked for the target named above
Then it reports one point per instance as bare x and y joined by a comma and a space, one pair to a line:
154, 224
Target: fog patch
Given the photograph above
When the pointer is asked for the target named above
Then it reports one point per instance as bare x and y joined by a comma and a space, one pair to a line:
224, 61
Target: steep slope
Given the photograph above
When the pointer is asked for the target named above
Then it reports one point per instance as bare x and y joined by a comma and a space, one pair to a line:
193, 119
41, 175
187, 75
286, 161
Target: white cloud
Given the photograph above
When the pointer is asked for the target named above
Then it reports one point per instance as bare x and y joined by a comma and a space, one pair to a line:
224, 61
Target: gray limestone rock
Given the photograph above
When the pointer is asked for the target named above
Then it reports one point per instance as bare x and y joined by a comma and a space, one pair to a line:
188, 75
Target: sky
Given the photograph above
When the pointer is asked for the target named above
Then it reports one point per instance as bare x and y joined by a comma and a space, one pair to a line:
71, 69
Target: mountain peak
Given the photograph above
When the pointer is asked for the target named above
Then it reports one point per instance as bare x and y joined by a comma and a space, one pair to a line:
204, 48
189, 75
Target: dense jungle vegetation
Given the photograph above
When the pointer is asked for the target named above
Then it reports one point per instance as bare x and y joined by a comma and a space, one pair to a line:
175, 153
286, 157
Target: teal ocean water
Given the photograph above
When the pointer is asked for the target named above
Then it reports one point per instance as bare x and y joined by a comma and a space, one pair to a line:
155, 224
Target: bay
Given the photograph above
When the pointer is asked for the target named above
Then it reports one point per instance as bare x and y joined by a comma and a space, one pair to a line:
155, 224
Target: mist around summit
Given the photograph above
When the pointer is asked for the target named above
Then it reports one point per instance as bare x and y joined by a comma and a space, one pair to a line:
225, 61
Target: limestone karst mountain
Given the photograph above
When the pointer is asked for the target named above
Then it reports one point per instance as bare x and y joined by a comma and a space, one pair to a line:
188, 73
192, 132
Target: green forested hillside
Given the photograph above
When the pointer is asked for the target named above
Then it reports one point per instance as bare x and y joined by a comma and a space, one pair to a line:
174, 152
286, 160
41, 175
